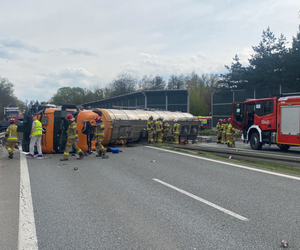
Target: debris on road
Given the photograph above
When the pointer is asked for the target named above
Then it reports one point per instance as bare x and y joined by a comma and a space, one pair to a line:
153, 161
284, 244
230, 157
75, 168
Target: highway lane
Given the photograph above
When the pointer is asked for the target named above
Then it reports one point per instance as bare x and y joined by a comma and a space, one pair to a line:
131, 202
9, 200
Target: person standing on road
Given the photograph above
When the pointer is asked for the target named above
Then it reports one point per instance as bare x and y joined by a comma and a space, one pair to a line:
11, 138
99, 133
224, 131
89, 132
219, 131
150, 127
158, 130
35, 138
230, 134
166, 128
72, 139
175, 131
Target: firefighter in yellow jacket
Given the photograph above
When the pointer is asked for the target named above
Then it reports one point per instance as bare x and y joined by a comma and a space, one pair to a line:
72, 139
224, 131
150, 127
11, 138
175, 131
219, 131
158, 130
230, 134
99, 134
166, 128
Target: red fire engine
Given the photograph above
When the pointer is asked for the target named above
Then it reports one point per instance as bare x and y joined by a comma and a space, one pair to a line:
274, 120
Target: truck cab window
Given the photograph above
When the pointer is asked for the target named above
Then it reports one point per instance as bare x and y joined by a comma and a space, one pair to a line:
239, 112
264, 108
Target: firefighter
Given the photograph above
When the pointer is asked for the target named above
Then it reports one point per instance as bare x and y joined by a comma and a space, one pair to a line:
99, 134
11, 138
175, 131
166, 128
158, 130
150, 127
230, 133
224, 131
72, 139
219, 131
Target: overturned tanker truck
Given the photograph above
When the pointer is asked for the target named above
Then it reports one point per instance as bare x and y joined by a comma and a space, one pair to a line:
121, 126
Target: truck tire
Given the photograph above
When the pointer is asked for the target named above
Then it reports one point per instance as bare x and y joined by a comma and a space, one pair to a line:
254, 141
283, 147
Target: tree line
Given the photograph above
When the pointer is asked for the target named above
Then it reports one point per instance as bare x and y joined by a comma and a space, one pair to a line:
199, 88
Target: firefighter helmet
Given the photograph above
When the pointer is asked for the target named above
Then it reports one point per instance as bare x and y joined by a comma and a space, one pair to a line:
220, 120
97, 119
224, 120
12, 120
229, 119
175, 120
69, 117
151, 117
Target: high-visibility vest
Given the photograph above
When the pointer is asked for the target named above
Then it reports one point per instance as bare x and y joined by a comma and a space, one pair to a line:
12, 132
37, 128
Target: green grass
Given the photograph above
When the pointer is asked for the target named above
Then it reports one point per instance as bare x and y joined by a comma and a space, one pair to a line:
275, 167
207, 132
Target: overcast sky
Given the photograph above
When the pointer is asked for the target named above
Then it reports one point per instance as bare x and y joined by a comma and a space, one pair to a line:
46, 45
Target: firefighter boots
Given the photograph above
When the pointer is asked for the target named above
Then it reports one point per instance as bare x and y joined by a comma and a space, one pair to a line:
81, 155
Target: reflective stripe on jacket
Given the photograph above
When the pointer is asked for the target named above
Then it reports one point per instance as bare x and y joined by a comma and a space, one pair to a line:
37, 128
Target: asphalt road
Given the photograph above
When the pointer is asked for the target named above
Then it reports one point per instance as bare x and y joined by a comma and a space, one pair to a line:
145, 198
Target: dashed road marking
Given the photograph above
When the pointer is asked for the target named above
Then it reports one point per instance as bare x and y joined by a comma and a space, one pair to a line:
224, 210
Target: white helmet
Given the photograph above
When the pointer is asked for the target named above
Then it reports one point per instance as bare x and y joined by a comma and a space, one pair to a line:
175, 120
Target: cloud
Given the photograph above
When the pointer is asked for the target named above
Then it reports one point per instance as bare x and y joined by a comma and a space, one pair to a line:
72, 52
5, 54
75, 73
18, 45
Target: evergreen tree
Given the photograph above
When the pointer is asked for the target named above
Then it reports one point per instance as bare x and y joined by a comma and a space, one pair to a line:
235, 78
266, 64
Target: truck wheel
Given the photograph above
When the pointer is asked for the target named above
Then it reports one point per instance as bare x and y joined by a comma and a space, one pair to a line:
254, 141
283, 147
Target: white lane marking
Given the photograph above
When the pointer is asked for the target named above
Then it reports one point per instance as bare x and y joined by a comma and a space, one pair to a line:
230, 164
203, 201
27, 230
249, 150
